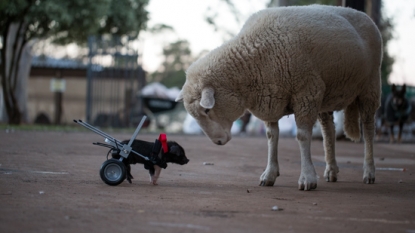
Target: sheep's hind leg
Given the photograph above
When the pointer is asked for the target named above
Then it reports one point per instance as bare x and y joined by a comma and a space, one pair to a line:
306, 112
272, 171
367, 110
369, 164
329, 139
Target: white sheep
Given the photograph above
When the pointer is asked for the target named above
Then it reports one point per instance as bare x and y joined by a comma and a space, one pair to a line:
306, 60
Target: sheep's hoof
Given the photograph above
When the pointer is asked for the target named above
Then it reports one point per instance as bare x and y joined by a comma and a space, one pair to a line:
331, 178
268, 177
368, 180
266, 183
307, 181
307, 187
369, 175
331, 174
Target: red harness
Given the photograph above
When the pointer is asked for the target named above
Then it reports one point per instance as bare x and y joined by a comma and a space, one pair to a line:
163, 140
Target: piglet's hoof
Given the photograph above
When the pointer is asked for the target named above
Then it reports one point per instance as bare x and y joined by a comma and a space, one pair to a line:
129, 177
156, 175
153, 180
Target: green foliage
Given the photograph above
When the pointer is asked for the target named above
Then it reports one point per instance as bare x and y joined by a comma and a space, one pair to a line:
177, 58
71, 21
160, 28
74, 20
125, 17
386, 29
62, 21
174, 79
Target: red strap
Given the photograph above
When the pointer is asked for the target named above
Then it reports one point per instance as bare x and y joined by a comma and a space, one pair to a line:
163, 140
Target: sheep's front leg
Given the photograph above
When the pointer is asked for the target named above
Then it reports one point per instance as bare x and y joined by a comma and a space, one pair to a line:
306, 104
329, 138
272, 171
308, 176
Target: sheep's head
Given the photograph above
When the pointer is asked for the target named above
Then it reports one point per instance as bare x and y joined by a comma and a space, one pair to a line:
213, 111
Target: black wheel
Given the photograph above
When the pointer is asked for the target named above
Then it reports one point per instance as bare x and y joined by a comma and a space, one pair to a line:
113, 172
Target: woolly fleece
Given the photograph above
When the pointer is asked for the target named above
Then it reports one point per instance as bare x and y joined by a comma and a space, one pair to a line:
306, 60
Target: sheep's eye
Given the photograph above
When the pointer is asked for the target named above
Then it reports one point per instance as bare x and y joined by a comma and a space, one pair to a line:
207, 111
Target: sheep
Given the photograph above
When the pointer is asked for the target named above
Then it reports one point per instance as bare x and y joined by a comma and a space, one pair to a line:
305, 60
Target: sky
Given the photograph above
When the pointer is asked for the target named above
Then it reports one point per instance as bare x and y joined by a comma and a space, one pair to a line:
187, 17
402, 47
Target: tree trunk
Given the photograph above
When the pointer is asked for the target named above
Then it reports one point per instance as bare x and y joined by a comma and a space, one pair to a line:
356, 4
15, 71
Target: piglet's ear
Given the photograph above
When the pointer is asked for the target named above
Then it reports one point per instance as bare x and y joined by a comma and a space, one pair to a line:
179, 98
208, 99
174, 149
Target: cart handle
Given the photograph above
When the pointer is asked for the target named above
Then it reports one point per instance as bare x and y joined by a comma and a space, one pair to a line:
137, 130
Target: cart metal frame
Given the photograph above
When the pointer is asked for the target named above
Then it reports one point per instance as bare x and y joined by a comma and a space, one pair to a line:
113, 171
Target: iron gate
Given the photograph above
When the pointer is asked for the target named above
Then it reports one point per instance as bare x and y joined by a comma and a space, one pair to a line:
113, 80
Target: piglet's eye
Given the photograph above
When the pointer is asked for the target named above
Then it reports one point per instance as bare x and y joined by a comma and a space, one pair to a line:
207, 111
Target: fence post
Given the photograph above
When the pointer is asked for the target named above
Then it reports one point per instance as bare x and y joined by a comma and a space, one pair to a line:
88, 110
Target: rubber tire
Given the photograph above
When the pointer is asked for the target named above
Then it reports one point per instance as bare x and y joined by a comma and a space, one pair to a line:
113, 165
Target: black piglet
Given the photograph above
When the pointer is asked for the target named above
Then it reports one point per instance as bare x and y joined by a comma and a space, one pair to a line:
175, 154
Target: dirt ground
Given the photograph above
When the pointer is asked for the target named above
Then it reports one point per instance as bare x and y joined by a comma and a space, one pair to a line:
49, 182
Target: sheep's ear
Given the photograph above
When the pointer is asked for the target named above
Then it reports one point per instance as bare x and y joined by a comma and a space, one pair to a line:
179, 98
208, 99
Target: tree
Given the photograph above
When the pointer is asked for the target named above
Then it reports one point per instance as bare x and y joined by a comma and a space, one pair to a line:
22, 21
384, 23
177, 58
386, 29
211, 17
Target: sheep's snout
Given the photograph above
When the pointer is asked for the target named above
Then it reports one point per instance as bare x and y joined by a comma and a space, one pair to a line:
221, 140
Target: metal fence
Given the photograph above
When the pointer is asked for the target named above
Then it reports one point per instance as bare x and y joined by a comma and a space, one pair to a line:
114, 77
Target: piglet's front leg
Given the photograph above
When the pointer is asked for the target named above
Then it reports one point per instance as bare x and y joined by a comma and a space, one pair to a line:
155, 174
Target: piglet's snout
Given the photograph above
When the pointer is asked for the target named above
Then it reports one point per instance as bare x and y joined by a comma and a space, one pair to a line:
184, 161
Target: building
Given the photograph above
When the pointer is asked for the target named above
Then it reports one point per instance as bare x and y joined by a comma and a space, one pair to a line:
58, 92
